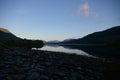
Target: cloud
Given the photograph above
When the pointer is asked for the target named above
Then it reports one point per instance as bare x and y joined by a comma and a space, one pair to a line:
84, 10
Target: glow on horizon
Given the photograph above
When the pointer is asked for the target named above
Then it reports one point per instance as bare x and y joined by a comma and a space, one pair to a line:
58, 19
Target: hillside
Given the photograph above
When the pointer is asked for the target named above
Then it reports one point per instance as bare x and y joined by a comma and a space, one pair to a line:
67, 41
6, 34
111, 35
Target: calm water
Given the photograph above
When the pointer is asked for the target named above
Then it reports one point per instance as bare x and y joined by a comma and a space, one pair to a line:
65, 50
87, 50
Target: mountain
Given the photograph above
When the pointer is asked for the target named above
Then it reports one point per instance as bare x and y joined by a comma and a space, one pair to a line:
67, 41
6, 34
52, 42
111, 35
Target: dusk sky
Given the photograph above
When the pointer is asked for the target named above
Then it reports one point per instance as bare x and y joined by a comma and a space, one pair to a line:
58, 19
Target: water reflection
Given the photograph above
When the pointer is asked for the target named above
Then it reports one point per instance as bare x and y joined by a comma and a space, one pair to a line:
99, 51
57, 48
90, 51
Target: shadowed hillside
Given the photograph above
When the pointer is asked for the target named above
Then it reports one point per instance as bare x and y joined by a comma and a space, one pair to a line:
9, 39
109, 36
6, 34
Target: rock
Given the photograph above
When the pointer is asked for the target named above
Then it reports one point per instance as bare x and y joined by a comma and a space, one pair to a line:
47, 63
16, 77
2, 75
9, 62
33, 76
24, 64
43, 77
79, 68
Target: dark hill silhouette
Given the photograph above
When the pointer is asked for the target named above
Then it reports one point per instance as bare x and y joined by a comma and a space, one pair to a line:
7, 35
7, 39
111, 35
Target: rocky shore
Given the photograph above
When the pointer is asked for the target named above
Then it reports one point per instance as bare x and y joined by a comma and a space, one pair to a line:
23, 64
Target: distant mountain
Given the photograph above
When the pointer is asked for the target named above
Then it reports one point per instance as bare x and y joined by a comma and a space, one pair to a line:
52, 42
6, 34
67, 41
106, 36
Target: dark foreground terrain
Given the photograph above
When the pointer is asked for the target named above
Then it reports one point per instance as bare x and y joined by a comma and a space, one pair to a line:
24, 64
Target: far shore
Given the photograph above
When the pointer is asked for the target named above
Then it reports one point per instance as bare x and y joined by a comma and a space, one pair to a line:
84, 44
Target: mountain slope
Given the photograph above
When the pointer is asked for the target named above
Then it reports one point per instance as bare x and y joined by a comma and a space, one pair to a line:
106, 36
6, 34
67, 41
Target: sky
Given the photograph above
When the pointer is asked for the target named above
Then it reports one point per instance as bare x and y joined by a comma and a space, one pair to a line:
58, 19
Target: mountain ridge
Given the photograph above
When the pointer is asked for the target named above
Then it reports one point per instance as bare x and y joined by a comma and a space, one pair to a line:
4, 30
5, 34
106, 36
